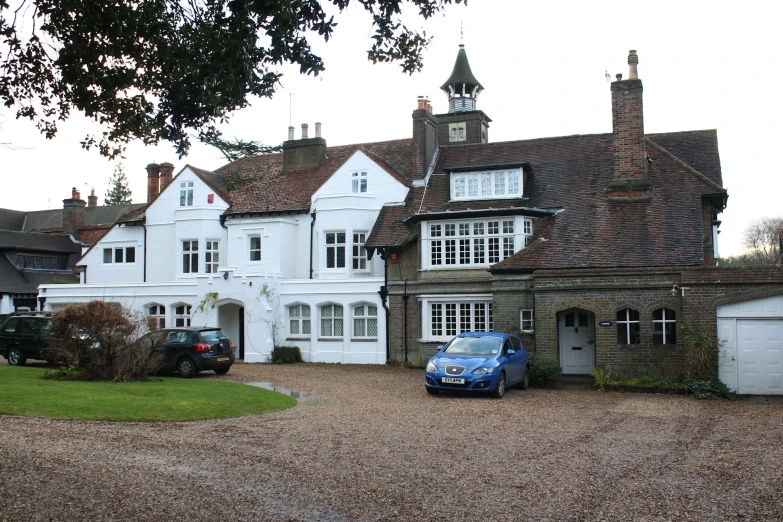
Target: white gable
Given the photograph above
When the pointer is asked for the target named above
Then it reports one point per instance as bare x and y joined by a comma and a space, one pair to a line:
379, 186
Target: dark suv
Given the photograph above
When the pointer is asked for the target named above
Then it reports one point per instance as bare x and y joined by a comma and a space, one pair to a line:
25, 337
192, 350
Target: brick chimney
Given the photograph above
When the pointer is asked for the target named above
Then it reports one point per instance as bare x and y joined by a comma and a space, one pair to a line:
73, 214
425, 137
153, 181
92, 199
629, 182
305, 153
166, 172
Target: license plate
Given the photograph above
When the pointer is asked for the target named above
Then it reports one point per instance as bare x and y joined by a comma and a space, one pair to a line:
223, 359
453, 380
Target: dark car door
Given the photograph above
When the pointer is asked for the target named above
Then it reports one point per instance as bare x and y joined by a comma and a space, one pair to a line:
177, 343
27, 338
8, 334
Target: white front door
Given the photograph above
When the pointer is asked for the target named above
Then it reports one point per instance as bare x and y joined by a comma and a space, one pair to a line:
577, 346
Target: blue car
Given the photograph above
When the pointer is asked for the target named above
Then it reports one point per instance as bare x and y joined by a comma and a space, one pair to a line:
487, 362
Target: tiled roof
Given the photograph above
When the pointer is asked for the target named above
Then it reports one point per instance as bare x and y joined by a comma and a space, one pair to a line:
35, 242
52, 220
257, 184
572, 172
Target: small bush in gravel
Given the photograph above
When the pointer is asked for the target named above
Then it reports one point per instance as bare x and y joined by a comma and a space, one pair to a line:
544, 373
286, 355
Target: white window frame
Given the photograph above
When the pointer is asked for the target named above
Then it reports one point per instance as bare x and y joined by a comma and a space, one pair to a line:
359, 261
186, 194
211, 256
359, 182
158, 313
456, 305
663, 322
182, 314
627, 323
335, 246
122, 251
489, 184
333, 319
191, 254
527, 320
252, 250
360, 315
300, 320
472, 243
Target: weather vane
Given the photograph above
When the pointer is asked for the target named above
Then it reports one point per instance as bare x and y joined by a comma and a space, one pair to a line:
461, 39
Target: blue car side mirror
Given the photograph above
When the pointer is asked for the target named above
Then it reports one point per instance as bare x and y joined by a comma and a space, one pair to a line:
440, 348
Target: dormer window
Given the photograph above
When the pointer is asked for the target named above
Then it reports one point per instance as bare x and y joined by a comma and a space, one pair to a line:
186, 194
493, 184
359, 181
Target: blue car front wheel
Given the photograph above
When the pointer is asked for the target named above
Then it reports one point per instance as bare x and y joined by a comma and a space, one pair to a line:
431, 391
500, 389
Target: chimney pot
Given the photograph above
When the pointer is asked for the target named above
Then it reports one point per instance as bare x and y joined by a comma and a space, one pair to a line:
421, 103
633, 60
318, 129
73, 193
618, 76
291, 132
92, 199
153, 181
304, 131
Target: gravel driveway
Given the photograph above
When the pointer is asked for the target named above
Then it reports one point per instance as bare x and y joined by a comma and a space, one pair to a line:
367, 443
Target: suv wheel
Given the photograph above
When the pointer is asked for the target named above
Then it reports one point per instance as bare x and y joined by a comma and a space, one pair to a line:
186, 368
15, 357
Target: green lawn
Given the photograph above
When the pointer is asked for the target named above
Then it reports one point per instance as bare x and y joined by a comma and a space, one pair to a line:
23, 392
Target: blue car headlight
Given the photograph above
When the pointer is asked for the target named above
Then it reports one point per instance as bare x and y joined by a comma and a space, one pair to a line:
483, 371
431, 367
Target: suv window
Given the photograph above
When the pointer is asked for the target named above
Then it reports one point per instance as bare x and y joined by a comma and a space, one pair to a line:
11, 324
27, 327
213, 335
507, 346
516, 344
44, 327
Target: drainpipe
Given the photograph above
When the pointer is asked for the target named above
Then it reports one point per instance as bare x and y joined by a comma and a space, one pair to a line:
384, 293
405, 320
312, 228
145, 256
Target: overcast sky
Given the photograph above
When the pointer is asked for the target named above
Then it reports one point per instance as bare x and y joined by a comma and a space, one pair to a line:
704, 65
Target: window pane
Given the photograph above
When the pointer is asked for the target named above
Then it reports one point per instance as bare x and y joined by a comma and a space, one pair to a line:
326, 311
341, 256
372, 310
326, 327
338, 327
358, 328
294, 326
364, 185
355, 185
306, 326
130, 255
305, 311
190, 197
293, 311
372, 327
500, 183
107, 256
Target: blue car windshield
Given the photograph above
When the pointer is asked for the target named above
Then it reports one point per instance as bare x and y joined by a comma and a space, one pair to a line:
474, 346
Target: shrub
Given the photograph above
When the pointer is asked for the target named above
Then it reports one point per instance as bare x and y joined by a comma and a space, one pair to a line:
602, 376
104, 341
701, 353
708, 389
544, 373
286, 355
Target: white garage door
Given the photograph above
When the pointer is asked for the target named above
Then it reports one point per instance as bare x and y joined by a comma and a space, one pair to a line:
752, 349
760, 356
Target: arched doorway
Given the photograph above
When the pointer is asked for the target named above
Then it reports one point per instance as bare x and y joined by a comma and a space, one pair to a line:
231, 319
576, 329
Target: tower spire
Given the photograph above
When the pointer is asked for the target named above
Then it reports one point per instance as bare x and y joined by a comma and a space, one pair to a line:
462, 87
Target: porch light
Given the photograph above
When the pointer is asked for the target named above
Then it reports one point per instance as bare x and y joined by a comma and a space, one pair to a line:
225, 275
682, 290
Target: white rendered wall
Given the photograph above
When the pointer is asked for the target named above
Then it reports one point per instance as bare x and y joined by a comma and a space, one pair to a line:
347, 293
168, 224
117, 237
339, 209
6, 304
